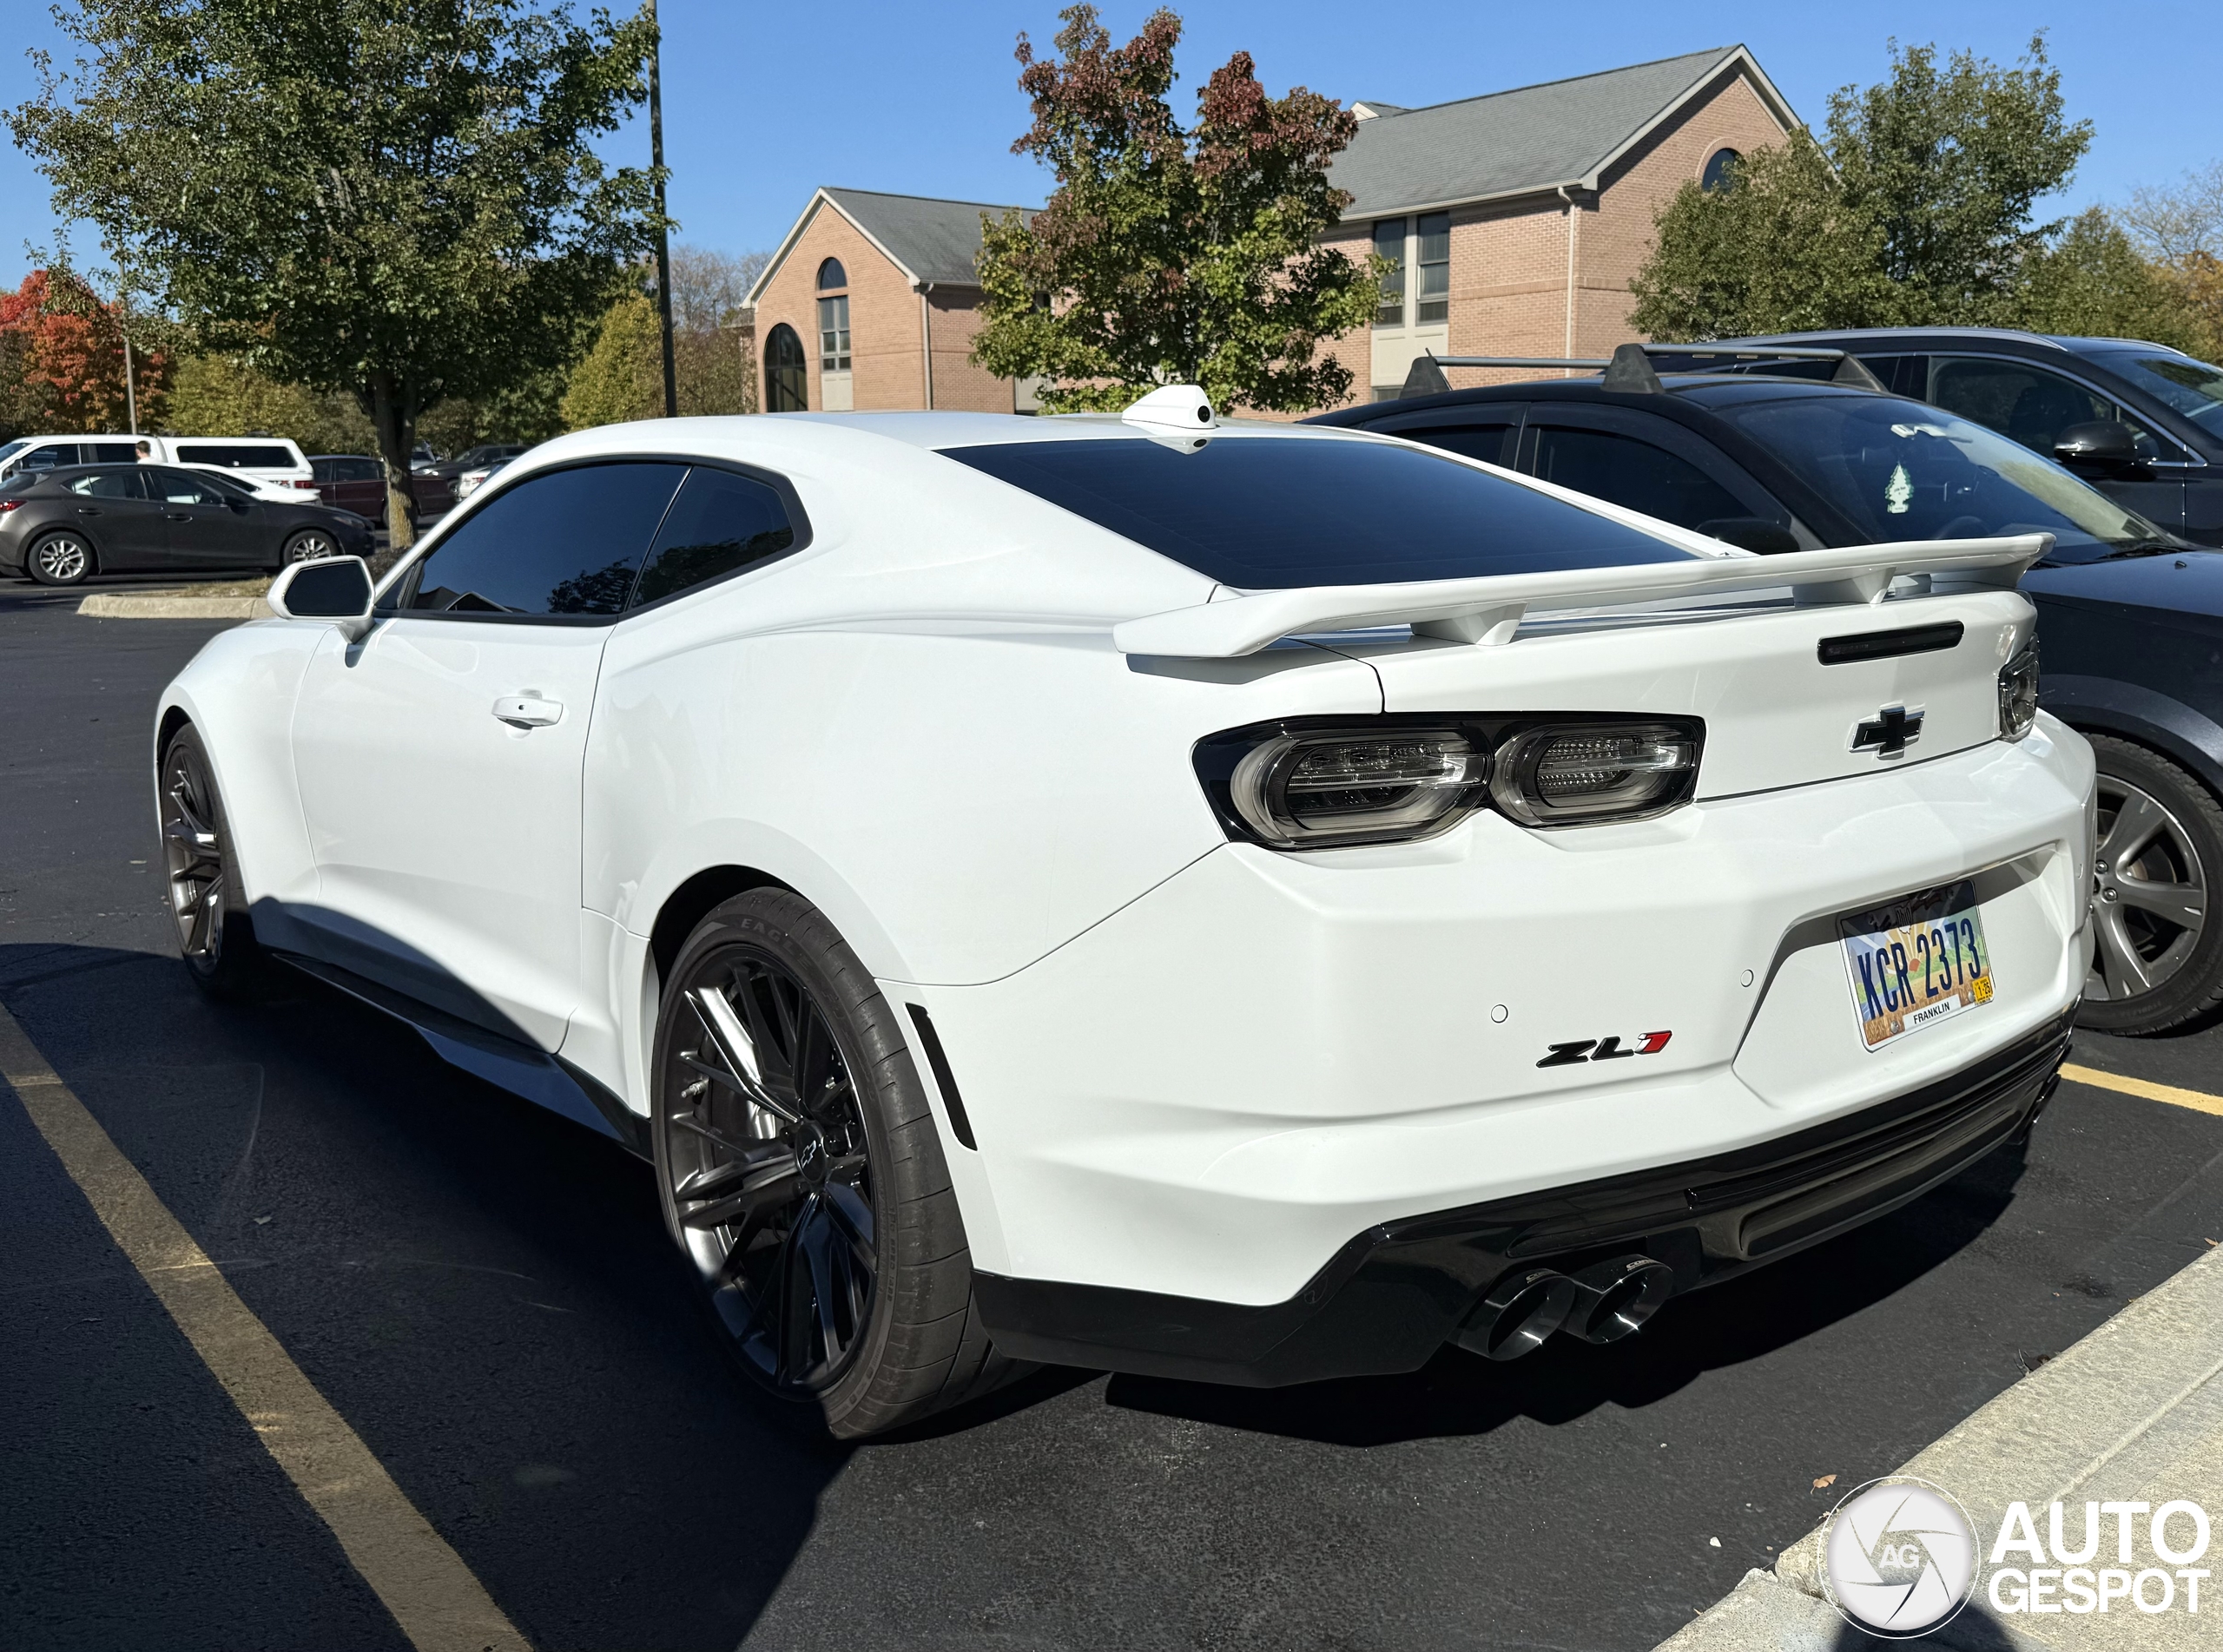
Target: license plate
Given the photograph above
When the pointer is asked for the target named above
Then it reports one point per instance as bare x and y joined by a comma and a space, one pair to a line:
1918, 960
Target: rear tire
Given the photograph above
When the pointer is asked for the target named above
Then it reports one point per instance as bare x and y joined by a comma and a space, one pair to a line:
828, 1242
2157, 963
215, 936
60, 559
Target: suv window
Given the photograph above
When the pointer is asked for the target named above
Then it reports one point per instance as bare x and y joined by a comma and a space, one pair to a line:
49, 455
566, 543
719, 523
1634, 473
109, 485
236, 456
2024, 404
1274, 512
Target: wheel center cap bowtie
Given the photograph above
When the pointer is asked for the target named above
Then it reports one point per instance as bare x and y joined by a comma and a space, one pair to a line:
811, 1156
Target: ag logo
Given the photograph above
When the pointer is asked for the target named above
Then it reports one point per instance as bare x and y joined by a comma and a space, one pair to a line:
1898, 1557
1577, 1051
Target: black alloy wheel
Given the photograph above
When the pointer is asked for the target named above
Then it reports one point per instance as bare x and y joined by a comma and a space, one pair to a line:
798, 1164
62, 558
2157, 963
214, 935
311, 544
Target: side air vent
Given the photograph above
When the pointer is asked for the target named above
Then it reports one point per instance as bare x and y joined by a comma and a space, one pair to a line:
1883, 645
960, 1125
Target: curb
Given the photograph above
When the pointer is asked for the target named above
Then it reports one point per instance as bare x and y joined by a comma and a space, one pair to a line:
106, 605
2138, 1400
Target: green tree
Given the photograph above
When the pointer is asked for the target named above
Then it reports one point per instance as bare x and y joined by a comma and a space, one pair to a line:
395, 199
2092, 281
1918, 208
1167, 255
622, 377
220, 396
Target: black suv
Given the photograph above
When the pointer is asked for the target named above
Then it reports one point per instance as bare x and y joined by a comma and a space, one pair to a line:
1757, 453
2165, 458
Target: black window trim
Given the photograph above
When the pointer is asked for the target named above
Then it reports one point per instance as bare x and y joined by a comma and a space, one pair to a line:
392, 602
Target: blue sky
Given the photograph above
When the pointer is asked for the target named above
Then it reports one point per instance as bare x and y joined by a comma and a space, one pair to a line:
762, 102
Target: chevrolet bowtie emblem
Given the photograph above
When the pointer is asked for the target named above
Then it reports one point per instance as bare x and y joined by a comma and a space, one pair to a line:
1890, 732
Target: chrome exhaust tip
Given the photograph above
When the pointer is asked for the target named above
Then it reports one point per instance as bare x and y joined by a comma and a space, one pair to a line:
1612, 1299
1522, 1309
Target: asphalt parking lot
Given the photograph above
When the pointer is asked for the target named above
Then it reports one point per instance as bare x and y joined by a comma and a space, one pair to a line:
484, 1291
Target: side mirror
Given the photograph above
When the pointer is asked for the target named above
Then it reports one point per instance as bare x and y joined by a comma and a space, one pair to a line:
1751, 533
2100, 447
331, 588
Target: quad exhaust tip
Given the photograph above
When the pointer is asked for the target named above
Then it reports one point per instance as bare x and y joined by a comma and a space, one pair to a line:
1601, 1303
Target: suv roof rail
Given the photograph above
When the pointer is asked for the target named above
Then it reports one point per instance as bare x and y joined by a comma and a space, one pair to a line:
1630, 368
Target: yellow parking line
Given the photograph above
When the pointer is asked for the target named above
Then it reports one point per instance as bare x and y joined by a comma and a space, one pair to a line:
2169, 1093
432, 1594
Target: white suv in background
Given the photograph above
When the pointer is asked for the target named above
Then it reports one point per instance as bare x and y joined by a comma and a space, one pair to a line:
265, 458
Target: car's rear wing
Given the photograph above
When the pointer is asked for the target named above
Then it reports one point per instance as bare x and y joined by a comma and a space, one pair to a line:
1489, 610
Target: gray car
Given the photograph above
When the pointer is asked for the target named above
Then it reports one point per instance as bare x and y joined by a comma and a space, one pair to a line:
62, 527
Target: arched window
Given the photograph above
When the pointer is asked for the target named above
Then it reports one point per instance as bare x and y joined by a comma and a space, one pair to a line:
832, 278
1717, 173
787, 375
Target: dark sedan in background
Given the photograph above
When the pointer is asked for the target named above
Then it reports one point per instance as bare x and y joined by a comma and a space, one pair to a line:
2140, 422
62, 527
2130, 617
351, 481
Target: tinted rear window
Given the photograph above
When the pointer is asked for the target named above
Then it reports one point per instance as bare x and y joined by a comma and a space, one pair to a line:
563, 542
237, 456
1266, 513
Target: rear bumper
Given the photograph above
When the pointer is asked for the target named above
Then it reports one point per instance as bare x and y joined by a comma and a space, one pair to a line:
1396, 1293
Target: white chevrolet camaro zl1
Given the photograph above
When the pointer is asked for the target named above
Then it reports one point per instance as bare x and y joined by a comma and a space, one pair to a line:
1227, 901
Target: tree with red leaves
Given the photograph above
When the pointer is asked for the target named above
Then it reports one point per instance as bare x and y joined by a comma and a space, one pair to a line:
62, 349
1168, 256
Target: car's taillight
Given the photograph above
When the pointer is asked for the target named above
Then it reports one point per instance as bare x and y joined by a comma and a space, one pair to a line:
2018, 693
1316, 783
6, 505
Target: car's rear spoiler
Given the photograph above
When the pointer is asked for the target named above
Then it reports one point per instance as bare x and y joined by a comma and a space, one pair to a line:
1489, 610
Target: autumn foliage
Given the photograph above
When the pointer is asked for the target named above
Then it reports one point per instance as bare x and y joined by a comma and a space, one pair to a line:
62, 360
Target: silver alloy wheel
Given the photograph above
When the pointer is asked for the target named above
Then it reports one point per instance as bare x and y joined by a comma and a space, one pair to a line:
61, 559
310, 546
2149, 897
192, 850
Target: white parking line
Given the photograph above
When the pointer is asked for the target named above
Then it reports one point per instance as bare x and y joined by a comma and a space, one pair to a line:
432, 1594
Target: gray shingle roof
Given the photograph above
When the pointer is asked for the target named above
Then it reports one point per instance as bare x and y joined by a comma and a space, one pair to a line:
1531, 138
936, 241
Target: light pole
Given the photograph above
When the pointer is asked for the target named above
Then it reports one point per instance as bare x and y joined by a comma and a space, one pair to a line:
663, 236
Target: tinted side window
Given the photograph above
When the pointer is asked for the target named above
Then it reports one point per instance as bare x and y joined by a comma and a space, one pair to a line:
566, 542
46, 458
182, 487
1626, 471
109, 485
109, 453
721, 522
1486, 442
234, 456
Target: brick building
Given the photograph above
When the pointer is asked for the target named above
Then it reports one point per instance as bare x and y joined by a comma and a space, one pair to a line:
872, 301
1517, 219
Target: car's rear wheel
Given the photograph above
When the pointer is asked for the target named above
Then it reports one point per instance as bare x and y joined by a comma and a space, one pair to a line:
2157, 963
802, 1174
311, 544
60, 559
214, 936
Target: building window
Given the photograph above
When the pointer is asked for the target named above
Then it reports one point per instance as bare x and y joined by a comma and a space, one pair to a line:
834, 334
1389, 243
787, 376
832, 278
1435, 262
1717, 173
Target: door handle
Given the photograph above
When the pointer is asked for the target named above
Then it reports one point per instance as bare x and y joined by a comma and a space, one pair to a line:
89, 511
523, 710
177, 516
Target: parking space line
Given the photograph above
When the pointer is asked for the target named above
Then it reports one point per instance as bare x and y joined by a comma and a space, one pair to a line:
2193, 1099
424, 1582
